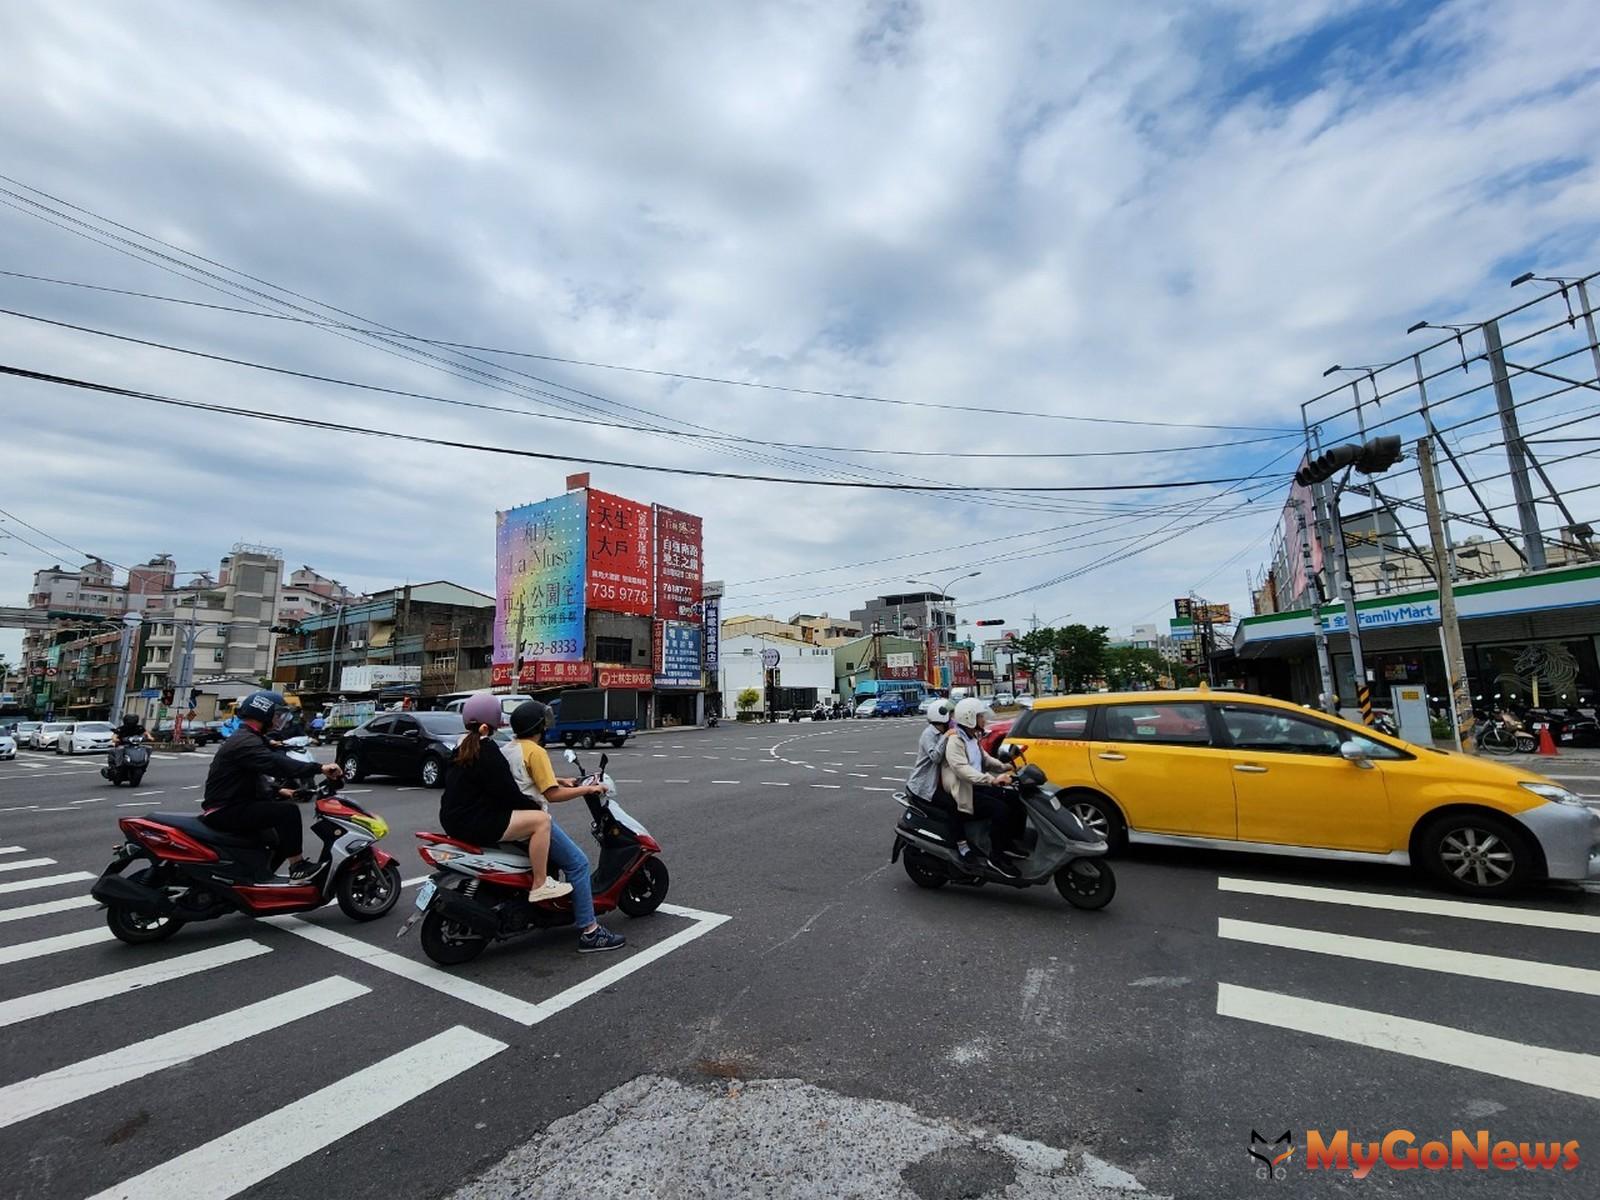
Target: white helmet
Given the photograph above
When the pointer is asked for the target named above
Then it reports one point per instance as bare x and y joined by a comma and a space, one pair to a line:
968, 712
939, 713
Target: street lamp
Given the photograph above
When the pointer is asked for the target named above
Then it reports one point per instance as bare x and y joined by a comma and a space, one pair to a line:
1582, 286
944, 592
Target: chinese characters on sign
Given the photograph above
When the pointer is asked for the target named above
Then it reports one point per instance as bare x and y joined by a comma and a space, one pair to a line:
637, 678
712, 609
678, 567
539, 584
679, 664
619, 568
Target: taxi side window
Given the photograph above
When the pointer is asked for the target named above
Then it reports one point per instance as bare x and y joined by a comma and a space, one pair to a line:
1156, 724
1060, 723
1266, 729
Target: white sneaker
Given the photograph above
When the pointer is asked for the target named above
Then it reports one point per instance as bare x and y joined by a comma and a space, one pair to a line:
549, 890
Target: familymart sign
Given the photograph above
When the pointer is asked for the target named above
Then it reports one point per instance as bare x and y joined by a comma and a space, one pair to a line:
1422, 612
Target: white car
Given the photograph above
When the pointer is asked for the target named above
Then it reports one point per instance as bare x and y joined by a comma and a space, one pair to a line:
85, 737
44, 737
1003, 700
8, 746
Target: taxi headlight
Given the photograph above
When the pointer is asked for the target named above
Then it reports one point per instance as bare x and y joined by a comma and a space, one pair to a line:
1555, 793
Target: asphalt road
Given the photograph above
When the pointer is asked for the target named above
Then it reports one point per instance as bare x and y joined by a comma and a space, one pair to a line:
928, 1030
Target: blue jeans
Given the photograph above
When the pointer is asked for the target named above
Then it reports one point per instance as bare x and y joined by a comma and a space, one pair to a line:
574, 864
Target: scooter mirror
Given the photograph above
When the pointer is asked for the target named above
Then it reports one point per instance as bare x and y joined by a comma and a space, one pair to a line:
604, 759
1007, 751
570, 756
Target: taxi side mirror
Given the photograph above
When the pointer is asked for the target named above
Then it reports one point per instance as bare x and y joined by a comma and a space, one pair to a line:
1353, 751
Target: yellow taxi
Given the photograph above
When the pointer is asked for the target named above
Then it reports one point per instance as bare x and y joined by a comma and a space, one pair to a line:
1230, 771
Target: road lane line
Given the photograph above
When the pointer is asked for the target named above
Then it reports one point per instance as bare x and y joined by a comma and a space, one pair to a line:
25, 885
102, 987
414, 880
832, 787
875, 789
24, 912
191, 787
1558, 1070
732, 781
251, 1153
1501, 914
52, 945
27, 864
90, 800
772, 783
79, 1080
153, 792
12, 849
892, 778
20, 808
1493, 967
704, 923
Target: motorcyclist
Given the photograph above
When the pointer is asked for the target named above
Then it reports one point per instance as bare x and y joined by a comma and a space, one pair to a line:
239, 797
973, 778
482, 803
131, 727
531, 767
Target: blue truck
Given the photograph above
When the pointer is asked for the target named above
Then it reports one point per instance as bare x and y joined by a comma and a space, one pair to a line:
588, 716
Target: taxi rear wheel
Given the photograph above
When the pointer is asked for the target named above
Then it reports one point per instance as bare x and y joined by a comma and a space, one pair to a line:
1477, 853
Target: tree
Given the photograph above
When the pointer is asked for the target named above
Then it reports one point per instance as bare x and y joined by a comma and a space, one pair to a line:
1033, 647
1080, 655
747, 699
1129, 667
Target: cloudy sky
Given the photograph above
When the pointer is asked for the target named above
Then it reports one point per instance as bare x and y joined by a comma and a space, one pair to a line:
1137, 227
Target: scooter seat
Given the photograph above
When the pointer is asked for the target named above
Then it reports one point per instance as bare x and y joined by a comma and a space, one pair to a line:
200, 831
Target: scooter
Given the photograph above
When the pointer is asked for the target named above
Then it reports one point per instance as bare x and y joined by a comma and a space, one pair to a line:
479, 894
184, 870
127, 763
1060, 847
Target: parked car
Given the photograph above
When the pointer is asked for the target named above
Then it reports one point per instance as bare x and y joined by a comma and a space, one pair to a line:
45, 734
85, 737
22, 731
202, 733
410, 745
891, 706
1004, 700
8, 746
866, 708
1229, 771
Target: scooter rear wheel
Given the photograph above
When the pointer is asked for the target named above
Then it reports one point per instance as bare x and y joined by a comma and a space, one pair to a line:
450, 943
135, 928
1087, 883
646, 890
921, 870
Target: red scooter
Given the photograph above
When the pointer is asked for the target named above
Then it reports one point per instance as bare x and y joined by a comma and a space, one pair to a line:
479, 894
185, 871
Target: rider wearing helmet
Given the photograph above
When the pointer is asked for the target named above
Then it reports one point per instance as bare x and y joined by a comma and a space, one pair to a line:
530, 766
971, 776
237, 796
482, 803
924, 780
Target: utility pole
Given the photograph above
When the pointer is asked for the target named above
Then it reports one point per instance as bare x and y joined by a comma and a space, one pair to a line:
1330, 693
130, 625
333, 645
1516, 456
1341, 560
1455, 658
1427, 419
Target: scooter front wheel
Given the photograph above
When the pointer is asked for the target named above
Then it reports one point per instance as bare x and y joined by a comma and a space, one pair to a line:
449, 943
1087, 883
646, 890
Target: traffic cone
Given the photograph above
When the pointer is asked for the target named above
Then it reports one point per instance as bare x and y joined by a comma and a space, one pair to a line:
1547, 744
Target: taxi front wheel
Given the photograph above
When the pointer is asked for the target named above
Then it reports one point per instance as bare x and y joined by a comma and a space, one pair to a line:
1477, 853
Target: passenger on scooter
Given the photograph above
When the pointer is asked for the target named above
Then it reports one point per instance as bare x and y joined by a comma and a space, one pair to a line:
532, 769
237, 796
972, 777
482, 803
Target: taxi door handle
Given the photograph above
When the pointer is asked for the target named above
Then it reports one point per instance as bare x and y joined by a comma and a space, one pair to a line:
1249, 768
1113, 756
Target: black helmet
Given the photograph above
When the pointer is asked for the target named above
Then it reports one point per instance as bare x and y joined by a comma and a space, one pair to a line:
530, 718
261, 706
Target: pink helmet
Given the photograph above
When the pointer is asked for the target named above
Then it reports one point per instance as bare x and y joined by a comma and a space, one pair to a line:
483, 709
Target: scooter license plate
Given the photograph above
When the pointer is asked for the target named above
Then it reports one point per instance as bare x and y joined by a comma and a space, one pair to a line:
425, 894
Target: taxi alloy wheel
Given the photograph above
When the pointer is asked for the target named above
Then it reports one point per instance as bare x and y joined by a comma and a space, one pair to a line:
1478, 854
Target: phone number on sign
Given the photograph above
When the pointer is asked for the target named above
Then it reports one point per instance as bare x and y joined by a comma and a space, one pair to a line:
559, 646
627, 595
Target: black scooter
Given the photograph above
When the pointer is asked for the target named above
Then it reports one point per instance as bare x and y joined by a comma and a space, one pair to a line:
127, 763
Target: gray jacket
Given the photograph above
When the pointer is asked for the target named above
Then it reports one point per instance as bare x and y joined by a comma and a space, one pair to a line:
924, 780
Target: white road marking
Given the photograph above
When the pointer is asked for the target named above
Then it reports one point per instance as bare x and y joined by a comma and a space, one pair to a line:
57, 808
190, 787
20, 808
259, 1150
79, 1080
674, 781
133, 804
52, 945
772, 783
89, 800
732, 781
704, 923
26, 864
153, 792
1422, 958
25, 911
414, 880
101, 987
857, 775
12, 849
1559, 1070
827, 786
25, 885
876, 789
1501, 914
891, 778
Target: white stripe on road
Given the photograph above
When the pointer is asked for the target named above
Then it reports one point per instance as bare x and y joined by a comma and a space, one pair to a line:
732, 781
89, 800
27, 864
52, 945
86, 991
1501, 914
1423, 958
414, 880
191, 787
873, 789
1559, 1070
12, 849
25, 911
259, 1150
23, 885
20, 808
79, 1080
156, 792
833, 787
704, 923
772, 783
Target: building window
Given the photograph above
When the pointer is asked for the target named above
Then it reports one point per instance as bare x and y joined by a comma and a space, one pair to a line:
613, 649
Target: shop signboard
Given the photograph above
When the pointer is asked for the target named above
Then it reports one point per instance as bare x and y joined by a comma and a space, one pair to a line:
631, 678
890, 671
897, 662
983, 672
1417, 612
680, 655
961, 674
618, 571
539, 584
678, 566
552, 673
712, 610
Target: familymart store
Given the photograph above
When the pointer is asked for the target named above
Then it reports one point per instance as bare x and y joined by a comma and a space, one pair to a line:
1531, 639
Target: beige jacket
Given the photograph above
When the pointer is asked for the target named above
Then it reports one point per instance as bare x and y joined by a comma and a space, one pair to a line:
958, 774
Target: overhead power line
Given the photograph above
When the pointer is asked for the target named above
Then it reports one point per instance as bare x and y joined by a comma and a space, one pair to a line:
657, 468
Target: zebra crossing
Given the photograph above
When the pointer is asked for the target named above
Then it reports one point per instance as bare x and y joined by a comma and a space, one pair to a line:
1384, 959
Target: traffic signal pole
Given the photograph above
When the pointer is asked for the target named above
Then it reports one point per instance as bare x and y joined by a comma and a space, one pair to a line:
1358, 665
1330, 691
1455, 663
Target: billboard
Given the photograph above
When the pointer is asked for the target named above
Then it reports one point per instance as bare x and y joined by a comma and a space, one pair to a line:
678, 664
635, 678
539, 584
713, 626
619, 575
678, 567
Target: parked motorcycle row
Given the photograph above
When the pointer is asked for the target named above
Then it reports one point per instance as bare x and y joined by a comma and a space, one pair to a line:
1516, 731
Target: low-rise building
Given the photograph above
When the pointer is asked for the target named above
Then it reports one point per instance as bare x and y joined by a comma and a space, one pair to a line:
803, 674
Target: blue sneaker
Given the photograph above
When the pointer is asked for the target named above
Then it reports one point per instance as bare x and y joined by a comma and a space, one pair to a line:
600, 938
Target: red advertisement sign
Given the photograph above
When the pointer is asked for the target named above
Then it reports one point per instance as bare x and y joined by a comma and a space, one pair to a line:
911, 672
500, 675
638, 678
679, 572
619, 565
562, 672
961, 669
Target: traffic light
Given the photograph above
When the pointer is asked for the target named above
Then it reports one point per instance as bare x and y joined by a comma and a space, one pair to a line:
1373, 457
992, 621
166, 696
1379, 454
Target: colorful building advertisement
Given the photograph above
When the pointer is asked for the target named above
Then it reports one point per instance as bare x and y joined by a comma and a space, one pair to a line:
678, 664
620, 560
679, 571
539, 585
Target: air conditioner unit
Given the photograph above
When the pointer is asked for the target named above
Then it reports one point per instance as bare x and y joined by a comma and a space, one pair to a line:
357, 644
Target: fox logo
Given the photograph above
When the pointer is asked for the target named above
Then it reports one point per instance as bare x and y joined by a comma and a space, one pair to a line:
1272, 1165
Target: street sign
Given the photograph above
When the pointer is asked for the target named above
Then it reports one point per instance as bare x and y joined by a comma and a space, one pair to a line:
149, 693
770, 658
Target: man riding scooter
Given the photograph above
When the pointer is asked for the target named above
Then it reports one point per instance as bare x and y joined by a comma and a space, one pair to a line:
973, 778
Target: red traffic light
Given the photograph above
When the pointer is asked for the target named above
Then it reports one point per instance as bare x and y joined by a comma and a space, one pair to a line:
991, 621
